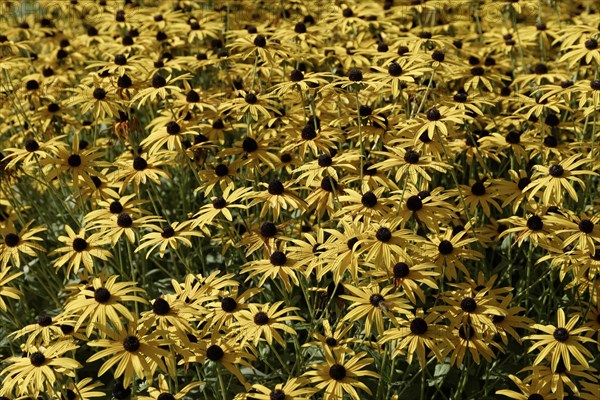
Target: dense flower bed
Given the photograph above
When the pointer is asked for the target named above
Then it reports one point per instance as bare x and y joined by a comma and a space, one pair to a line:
286, 200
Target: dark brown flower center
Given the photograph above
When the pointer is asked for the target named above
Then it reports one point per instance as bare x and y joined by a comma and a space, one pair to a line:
261, 318
383, 234
101, 295
277, 394
369, 199
561, 334
161, 306
278, 258
124, 220
556, 171
214, 352
535, 223
228, 304
586, 226
79, 245
445, 247
337, 372
37, 359
468, 304
418, 326
376, 299
131, 344
401, 270
414, 203
12, 240
44, 320
74, 160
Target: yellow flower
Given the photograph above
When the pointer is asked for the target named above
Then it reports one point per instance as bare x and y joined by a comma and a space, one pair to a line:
23, 242
338, 377
220, 205
293, 389
167, 236
80, 250
39, 371
136, 351
162, 392
254, 323
7, 291
82, 390
556, 177
372, 303
421, 334
103, 300
561, 342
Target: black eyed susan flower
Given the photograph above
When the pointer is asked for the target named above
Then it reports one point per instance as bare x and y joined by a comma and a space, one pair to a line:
167, 236
408, 276
424, 207
384, 243
135, 352
220, 205
447, 250
8, 291
163, 392
278, 266
45, 330
536, 389
535, 228
373, 303
123, 223
110, 209
468, 338
102, 302
256, 323
278, 196
39, 370
83, 390
556, 178
343, 250
169, 314
159, 88
139, 169
77, 163
473, 309
80, 250
371, 205
23, 242
338, 376
32, 151
225, 310
561, 342
478, 194
337, 340
293, 389
582, 232
418, 333
218, 352
556, 379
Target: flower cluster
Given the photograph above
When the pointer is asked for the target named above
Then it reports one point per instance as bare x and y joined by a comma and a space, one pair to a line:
293, 200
